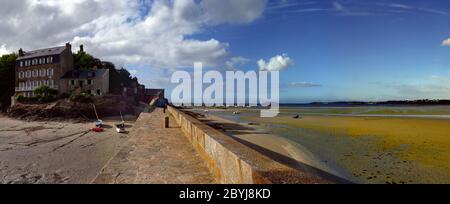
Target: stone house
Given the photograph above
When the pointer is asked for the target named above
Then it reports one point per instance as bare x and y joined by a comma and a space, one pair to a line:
95, 82
42, 67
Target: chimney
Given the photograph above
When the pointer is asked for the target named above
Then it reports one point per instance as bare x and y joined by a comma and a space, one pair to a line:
69, 46
81, 48
20, 52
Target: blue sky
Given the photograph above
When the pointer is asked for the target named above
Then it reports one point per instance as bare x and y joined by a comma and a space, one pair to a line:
348, 50
342, 49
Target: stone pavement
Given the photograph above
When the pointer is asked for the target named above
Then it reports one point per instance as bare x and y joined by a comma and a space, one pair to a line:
156, 155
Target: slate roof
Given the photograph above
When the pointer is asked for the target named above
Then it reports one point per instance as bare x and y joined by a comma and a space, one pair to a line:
77, 74
42, 52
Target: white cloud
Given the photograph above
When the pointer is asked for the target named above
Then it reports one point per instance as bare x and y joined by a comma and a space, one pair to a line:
233, 62
446, 42
138, 32
276, 63
3, 50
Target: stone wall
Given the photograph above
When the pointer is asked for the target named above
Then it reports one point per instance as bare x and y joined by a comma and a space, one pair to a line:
234, 163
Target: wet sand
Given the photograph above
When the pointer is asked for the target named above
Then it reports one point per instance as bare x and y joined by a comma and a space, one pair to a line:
55, 152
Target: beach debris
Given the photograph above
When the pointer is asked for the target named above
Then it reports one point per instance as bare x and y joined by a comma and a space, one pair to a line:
251, 123
236, 113
296, 116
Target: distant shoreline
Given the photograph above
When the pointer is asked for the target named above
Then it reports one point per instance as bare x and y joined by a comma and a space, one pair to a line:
424, 102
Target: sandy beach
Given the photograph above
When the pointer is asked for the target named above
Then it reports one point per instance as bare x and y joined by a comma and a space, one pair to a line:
55, 152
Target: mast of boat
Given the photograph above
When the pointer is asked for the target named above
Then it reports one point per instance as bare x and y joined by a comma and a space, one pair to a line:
121, 117
95, 110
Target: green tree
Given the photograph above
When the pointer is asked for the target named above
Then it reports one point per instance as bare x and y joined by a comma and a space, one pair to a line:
85, 61
7, 79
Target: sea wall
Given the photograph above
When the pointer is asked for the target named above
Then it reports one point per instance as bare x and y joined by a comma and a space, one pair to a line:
232, 162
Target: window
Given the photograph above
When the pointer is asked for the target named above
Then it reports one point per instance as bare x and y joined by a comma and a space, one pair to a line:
21, 63
42, 72
51, 82
72, 82
51, 72
89, 82
49, 60
99, 92
28, 74
89, 91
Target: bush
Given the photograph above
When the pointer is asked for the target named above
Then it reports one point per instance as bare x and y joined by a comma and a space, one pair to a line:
82, 97
20, 98
45, 94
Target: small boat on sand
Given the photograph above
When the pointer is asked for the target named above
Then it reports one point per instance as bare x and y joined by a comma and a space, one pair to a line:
97, 129
120, 128
296, 117
98, 123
